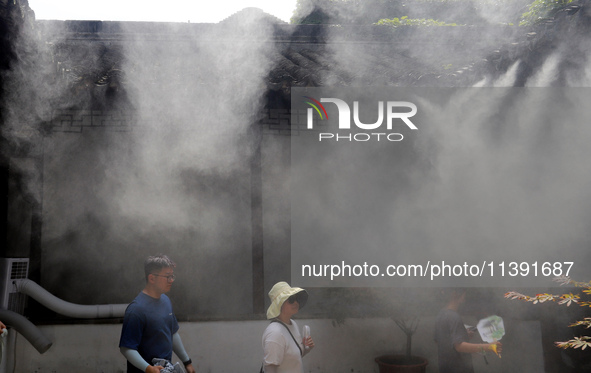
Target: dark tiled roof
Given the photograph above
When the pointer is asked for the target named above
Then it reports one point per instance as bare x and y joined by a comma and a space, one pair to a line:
89, 55
302, 54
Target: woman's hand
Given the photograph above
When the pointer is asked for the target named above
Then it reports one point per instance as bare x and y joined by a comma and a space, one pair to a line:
309, 342
271, 368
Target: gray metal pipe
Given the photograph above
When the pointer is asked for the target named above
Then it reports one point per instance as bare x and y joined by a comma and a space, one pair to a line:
62, 307
27, 329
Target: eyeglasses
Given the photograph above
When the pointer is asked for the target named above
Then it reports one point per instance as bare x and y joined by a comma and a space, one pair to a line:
292, 299
169, 278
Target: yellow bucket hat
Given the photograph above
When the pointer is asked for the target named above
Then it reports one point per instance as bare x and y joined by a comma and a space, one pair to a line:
279, 293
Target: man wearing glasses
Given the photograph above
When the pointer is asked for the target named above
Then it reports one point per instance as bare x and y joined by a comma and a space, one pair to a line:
150, 329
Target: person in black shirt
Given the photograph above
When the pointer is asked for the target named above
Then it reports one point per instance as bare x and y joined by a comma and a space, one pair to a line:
451, 336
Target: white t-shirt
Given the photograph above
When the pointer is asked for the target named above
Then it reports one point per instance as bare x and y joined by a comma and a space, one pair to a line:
280, 349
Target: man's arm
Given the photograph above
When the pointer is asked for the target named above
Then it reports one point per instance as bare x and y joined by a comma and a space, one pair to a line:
271, 368
179, 350
137, 361
471, 348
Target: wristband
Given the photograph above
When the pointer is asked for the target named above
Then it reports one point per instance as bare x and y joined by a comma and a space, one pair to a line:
187, 362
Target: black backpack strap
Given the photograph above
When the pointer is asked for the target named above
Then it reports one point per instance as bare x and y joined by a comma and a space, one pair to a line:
296, 342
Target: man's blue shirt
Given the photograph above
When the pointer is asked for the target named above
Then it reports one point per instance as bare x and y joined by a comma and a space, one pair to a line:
148, 327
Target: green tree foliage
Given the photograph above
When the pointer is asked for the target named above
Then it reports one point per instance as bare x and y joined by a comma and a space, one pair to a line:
344, 11
540, 10
368, 12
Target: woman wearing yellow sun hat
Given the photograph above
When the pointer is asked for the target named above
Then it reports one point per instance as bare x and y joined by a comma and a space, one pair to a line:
283, 344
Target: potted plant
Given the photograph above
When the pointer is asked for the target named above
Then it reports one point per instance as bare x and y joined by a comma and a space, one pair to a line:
403, 363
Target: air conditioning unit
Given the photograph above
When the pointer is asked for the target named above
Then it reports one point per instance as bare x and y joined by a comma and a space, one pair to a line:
12, 269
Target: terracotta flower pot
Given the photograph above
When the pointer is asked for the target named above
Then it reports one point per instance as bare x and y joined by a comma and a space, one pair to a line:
399, 364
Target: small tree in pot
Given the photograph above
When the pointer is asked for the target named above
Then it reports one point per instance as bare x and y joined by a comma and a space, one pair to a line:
403, 363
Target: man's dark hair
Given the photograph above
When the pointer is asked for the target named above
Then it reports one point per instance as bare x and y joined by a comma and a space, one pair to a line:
154, 264
448, 294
